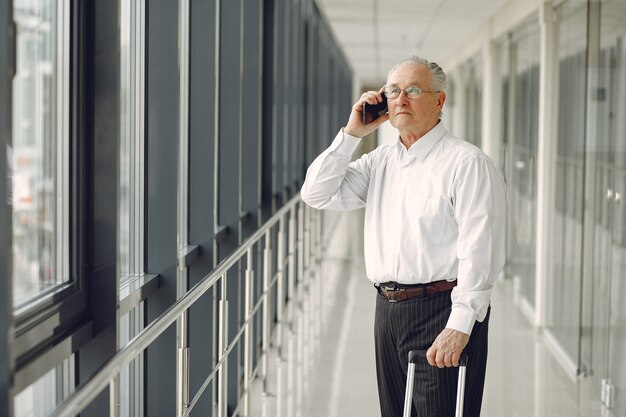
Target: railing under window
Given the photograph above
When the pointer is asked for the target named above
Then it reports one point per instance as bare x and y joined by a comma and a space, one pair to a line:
292, 243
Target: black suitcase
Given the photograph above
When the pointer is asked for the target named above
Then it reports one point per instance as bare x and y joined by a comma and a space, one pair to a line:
416, 355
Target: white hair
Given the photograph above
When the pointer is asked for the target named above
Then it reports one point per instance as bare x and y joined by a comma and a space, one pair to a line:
437, 76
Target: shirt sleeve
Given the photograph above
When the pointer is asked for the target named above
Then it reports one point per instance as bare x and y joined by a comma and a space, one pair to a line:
480, 207
333, 182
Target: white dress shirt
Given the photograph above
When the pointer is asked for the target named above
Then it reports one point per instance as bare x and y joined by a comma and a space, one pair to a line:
433, 212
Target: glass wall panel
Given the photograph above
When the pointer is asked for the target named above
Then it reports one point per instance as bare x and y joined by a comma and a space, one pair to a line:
606, 158
613, 38
613, 19
521, 155
40, 154
563, 286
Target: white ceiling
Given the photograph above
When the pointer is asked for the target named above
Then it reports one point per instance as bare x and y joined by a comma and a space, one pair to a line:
375, 34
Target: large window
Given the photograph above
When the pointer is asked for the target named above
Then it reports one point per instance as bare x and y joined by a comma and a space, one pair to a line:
40, 154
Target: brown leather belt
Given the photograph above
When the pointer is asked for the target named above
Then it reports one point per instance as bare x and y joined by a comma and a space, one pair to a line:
393, 291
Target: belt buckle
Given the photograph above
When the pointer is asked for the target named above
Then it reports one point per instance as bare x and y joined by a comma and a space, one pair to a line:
388, 288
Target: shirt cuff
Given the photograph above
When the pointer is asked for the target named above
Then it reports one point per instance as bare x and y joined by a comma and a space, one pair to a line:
344, 144
462, 320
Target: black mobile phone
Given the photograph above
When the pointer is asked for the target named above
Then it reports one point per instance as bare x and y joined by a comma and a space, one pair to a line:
373, 112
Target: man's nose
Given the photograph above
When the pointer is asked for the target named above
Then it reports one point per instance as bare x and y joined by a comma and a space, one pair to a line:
402, 98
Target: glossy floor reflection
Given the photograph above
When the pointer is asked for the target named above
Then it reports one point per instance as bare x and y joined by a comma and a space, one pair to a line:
327, 366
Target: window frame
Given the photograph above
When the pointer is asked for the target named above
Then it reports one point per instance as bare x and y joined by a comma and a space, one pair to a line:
62, 313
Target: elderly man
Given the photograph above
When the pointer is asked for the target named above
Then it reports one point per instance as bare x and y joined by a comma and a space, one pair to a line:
434, 238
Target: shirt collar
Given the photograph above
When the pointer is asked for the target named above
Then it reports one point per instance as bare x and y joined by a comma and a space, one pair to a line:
426, 143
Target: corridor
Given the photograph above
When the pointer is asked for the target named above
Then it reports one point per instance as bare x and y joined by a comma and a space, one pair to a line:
333, 375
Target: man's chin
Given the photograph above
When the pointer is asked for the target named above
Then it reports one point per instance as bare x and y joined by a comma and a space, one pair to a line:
399, 123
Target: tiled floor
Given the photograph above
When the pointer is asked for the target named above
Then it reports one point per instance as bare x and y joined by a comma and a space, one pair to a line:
327, 370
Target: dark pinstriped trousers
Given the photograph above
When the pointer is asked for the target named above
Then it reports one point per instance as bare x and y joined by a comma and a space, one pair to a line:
413, 325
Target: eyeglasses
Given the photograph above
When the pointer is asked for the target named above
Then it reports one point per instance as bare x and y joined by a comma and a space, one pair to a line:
411, 92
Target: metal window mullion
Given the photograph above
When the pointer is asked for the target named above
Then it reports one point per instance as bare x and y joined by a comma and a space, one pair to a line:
66, 143
58, 383
216, 128
265, 340
295, 90
140, 128
241, 97
183, 139
259, 139
183, 133
140, 364
286, 93
129, 384
274, 138
131, 155
222, 401
114, 396
133, 139
249, 331
318, 277
216, 163
308, 313
182, 325
292, 249
56, 127
117, 382
280, 291
123, 136
300, 248
61, 250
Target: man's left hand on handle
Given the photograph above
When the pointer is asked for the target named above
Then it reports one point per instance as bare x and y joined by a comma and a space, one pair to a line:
447, 348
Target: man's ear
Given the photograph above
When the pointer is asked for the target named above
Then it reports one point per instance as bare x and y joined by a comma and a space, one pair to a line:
441, 98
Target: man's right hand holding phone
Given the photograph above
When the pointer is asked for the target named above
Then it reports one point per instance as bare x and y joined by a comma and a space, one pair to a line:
355, 126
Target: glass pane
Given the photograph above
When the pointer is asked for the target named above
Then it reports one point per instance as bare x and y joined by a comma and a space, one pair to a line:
601, 160
40, 149
131, 377
607, 149
565, 281
131, 138
523, 96
40, 398
131, 203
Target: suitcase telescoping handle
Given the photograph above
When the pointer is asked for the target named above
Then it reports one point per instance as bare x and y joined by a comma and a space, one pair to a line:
416, 355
